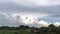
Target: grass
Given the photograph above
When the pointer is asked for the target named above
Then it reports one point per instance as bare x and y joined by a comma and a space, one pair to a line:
14, 32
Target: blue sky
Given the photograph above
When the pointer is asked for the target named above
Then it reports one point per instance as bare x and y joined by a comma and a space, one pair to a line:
29, 12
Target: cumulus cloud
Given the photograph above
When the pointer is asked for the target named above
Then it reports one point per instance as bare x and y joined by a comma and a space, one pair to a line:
43, 23
57, 24
19, 19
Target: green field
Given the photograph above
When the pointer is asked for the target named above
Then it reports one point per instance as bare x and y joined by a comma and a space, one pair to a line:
14, 32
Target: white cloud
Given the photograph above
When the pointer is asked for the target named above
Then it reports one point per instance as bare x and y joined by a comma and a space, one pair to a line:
30, 20
57, 24
43, 23
25, 19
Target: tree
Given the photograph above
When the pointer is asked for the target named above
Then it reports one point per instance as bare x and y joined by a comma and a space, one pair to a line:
52, 27
23, 27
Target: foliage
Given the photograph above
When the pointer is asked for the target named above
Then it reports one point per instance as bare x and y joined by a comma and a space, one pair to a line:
51, 29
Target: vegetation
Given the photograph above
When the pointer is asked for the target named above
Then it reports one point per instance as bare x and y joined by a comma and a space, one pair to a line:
51, 29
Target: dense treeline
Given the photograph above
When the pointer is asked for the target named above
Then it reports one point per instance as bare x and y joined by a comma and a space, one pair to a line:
51, 29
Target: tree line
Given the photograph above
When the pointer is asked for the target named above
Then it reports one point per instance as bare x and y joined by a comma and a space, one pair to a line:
51, 29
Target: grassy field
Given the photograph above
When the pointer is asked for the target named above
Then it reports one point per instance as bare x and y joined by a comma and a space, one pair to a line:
14, 32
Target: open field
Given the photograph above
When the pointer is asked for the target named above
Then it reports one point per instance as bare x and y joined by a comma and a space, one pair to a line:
14, 32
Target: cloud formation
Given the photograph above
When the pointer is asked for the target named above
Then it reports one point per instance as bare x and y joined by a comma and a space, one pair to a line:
19, 19
29, 12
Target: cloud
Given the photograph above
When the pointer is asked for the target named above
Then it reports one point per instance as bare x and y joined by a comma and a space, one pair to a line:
3, 16
37, 2
57, 24
19, 12
49, 11
34, 3
28, 19
43, 23
19, 19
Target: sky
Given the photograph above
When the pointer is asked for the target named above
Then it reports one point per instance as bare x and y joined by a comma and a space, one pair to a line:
35, 13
